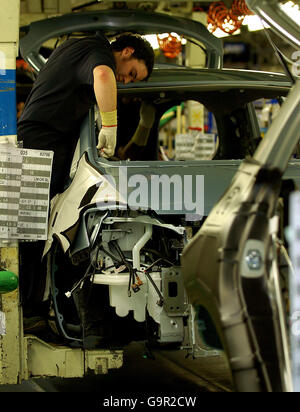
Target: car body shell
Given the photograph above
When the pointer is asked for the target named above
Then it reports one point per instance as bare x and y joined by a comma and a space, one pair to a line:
221, 90
240, 195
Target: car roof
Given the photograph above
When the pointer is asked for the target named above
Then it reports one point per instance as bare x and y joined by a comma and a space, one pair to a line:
215, 88
210, 79
167, 81
113, 22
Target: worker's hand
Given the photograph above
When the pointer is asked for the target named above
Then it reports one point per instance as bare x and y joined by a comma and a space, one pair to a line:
147, 115
122, 153
107, 141
107, 138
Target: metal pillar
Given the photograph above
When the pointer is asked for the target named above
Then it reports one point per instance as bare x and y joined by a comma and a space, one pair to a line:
194, 55
11, 340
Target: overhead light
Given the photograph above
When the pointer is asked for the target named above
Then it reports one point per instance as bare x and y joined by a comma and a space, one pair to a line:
254, 23
152, 39
292, 10
220, 33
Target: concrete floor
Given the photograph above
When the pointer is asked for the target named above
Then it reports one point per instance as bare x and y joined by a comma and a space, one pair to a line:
169, 374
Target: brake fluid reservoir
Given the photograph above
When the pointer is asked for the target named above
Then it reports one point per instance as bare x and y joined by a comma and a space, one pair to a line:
8, 281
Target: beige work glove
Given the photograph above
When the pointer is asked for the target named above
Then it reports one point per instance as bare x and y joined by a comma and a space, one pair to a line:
107, 138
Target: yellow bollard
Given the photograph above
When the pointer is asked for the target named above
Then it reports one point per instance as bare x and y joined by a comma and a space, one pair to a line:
11, 341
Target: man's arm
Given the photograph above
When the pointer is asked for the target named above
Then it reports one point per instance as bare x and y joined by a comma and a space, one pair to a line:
105, 88
141, 135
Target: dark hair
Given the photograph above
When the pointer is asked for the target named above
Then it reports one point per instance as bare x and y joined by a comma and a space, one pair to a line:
142, 49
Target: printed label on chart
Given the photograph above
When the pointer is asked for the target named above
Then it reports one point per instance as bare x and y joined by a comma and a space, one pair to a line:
25, 176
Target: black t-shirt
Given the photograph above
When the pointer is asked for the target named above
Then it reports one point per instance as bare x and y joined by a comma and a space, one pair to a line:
63, 92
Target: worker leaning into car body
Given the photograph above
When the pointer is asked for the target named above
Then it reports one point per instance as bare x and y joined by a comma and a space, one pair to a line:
80, 73
131, 149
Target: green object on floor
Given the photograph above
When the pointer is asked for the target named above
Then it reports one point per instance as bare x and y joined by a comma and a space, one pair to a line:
8, 281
